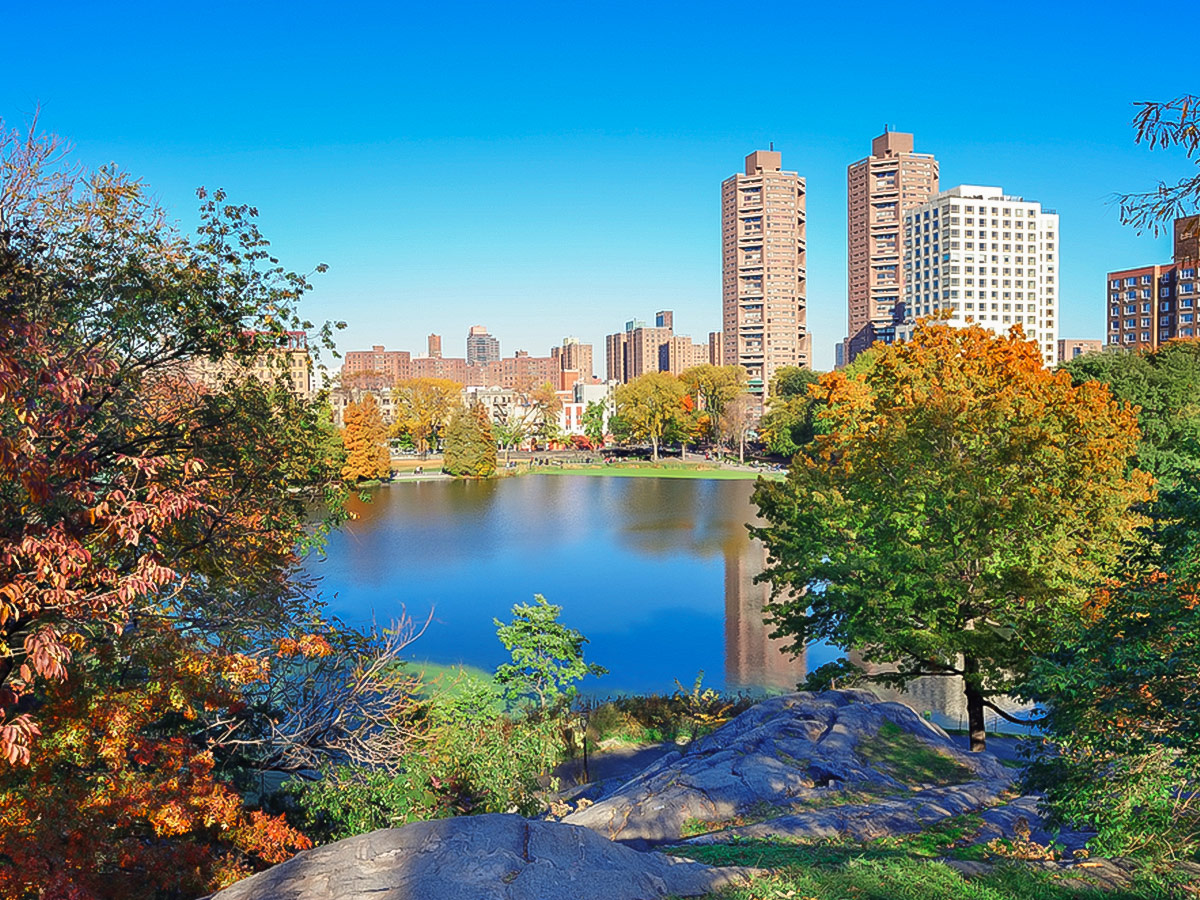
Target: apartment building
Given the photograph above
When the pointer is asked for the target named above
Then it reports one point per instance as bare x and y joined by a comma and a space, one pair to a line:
481, 346
763, 274
643, 348
289, 360
1149, 305
880, 189
385, 366
976, 254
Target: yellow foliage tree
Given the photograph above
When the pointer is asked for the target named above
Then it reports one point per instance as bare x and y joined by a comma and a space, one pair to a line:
365, 438
423, 408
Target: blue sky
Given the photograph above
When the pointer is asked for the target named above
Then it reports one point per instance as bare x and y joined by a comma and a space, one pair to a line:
554, 169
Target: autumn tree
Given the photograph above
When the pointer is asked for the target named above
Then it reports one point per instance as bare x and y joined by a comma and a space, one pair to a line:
959, 507
738, 418
151, 525
364, 437
470, 447
714, 388
423, 408
650, 406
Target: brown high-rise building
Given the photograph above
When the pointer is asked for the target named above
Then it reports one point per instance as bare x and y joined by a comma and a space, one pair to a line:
763, 287
435, 346
1152, 304
880, 189
378, 365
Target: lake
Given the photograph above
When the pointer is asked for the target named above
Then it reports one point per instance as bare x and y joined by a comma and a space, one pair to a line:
657, 573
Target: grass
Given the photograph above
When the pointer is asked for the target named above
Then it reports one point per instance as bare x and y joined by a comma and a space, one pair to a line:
906, 867
894, 752
621, 470
900, 878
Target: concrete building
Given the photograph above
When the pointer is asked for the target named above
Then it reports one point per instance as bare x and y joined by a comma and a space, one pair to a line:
1068, 349
1152, 304
763, 281
880, 189
976, 254
481, 346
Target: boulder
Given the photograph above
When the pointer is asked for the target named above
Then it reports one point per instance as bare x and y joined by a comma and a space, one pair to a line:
492, 857
790, 755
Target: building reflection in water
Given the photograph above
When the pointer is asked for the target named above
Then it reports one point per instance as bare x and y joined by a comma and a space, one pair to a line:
753, 659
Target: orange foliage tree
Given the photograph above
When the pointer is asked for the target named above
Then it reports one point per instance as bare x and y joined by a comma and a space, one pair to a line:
956, 510
365, 438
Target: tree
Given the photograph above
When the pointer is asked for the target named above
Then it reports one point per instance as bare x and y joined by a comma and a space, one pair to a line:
737, 420
956, 513
545, 405
365, 440
1121, 694
594, 422
650, 405
714, 388
547, 656
470, 450
1175, 123
791, 417
1163, 387
423, 407
151, 525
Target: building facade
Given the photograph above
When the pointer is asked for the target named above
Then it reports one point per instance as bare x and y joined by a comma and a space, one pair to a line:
763, 270
386, 366
481, 346
976, 254
880, 189
1152, 304
641, 348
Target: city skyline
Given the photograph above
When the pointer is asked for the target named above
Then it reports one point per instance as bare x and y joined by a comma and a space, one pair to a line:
551, 125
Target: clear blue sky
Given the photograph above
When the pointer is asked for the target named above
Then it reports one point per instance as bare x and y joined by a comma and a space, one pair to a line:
553, 169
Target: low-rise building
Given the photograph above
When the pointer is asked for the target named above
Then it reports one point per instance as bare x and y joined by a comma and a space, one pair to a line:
1149, 305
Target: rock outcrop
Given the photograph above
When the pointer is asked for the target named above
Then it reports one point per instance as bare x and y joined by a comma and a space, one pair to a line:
494, 857
806, 765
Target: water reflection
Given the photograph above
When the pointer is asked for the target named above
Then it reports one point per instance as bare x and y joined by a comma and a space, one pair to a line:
658, 573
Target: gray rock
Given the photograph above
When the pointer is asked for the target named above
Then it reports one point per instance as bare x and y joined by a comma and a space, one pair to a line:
780, 758
494, 857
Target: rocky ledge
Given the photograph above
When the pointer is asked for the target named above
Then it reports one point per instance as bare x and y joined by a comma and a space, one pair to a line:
804, 765
801, 766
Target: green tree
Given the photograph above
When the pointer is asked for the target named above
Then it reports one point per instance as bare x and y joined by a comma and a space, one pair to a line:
651, 405
470, 447
956, 513
1121, 695
1163, 386
594, 422
364, 438
547, 656
791, 418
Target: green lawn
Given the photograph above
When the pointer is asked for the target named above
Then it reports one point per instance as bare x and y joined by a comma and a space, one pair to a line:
649, 470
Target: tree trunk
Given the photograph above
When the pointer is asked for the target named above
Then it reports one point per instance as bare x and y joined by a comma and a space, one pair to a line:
654, 448
742, 448
975, 725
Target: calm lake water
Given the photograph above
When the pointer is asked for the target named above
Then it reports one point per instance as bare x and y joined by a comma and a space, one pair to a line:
657, 573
